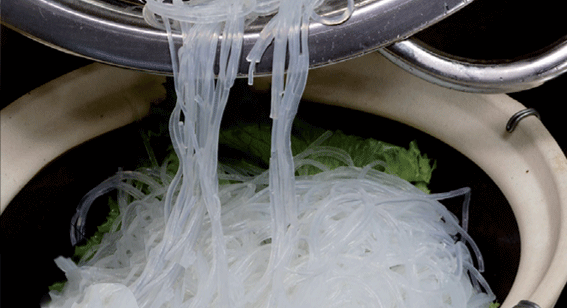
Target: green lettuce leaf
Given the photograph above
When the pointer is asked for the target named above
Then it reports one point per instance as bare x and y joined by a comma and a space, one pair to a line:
409, 164
82, 251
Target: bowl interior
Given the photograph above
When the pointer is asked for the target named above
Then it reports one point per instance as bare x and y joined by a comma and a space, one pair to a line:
35, 226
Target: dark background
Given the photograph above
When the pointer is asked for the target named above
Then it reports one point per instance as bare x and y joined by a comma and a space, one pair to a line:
487, 29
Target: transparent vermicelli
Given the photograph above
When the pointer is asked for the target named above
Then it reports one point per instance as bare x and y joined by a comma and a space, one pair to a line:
361, 234
347, 237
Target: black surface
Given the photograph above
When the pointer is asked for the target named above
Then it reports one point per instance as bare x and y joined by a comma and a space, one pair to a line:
36, 231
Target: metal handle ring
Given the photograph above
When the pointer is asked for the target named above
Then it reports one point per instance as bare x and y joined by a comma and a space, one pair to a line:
467, 75
518, 116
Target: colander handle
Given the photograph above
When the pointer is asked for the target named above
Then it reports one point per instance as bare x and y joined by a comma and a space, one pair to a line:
468, 75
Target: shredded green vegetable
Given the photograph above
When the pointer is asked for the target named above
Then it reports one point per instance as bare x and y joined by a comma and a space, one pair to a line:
494, 305
409, 164
82, 250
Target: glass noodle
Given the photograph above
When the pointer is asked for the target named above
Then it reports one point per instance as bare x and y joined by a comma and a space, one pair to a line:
347, 237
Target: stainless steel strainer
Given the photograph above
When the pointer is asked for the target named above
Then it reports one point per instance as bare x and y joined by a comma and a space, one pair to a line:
114, 32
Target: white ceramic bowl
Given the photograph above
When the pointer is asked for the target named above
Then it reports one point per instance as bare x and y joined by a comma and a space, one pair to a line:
527, 165
63, 113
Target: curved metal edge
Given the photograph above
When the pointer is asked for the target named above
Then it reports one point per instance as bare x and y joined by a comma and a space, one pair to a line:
120, 36
526, 304
519, 116
466, 75
93, 30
